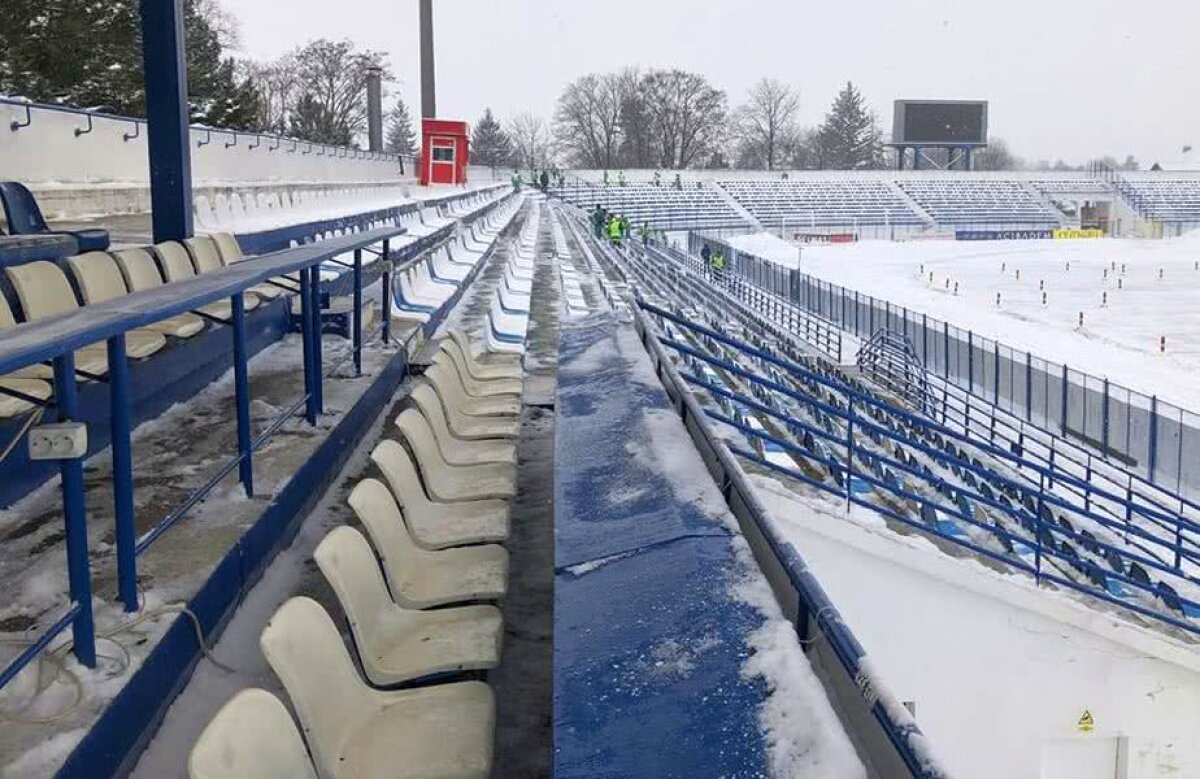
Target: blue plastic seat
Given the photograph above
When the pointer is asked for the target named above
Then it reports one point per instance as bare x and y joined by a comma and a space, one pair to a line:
25, 218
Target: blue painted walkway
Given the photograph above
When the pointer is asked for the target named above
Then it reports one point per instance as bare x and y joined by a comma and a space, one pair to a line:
648, 640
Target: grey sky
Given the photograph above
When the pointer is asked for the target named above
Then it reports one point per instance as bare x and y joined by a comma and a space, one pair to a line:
1066, 78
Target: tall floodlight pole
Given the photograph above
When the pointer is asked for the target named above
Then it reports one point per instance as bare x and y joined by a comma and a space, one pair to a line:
428, 98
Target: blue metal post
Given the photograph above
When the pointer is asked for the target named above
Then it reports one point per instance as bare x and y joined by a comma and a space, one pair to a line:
1064, 400
75, 517
163, 55
313, 309
996, 375
306, 338
125, 532
1152, 457
241, 383
946, 349
849, 445
357, 317
1104, 420
1029, 386
387, 294
971, 361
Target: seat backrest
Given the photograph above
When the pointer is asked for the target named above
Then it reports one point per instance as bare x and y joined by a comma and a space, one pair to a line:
21, 209
401, 474
346, 559
251, 737
43, 290
204, 253
228, 247
413, 425
7, 320
138, 268
377, 510
98, 277
305, 650
431, 408
446, 381
176, 263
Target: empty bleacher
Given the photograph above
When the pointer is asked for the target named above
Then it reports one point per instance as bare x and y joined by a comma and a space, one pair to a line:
832, 203
664, 208
1172, 200
962, 201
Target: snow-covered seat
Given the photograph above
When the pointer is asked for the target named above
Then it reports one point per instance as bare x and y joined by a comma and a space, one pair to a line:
449, 354
483, 364
98, 278
434, 524
396, 644
251, 737
448, 482
455, 450
424, 578
499, 340
491, 417
356, 732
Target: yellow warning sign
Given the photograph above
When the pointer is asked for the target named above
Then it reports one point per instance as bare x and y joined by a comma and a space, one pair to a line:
1086, 722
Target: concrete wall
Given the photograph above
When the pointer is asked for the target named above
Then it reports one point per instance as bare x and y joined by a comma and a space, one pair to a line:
48, 152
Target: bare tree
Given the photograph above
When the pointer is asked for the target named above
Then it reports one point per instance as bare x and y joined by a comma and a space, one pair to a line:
687, 115
333, 75
531, 141
997, 156
638, 147
587, 121
765, 125
278, 91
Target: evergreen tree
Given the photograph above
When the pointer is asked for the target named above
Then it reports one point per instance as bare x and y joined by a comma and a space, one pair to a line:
849, 138
490, 145
312, 121
89, 55
400, 137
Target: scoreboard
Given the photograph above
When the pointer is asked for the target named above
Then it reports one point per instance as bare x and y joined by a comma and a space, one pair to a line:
940, 123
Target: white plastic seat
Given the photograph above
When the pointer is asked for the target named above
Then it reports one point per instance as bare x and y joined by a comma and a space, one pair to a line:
204, 253
99, 278
459, 451
432, 524
486, 365
231, 252
449, 482
177, 266
356, 732
470, 418
11, 406
423, 578
395, 644
251, 737
476, 387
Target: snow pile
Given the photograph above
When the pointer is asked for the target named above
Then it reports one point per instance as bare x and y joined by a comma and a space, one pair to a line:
767, 246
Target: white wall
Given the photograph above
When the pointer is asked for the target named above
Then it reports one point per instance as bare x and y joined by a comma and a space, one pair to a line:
999, 671
49, 152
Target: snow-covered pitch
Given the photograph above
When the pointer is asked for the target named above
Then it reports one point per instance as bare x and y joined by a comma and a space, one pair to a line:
1139, 299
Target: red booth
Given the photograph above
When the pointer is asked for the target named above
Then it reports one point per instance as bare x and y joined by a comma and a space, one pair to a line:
444, 151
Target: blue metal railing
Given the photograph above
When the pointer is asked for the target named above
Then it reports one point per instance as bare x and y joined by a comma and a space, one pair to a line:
56, 339
854, 456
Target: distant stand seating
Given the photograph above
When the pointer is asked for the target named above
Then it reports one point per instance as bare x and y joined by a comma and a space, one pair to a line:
1171, 200
979, 202
664, 208
25, 218
832, 203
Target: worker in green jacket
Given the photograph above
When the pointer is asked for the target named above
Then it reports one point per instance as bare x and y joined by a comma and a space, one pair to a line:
717, 261
615, 229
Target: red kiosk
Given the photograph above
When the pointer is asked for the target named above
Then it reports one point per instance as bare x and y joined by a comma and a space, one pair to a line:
444, 151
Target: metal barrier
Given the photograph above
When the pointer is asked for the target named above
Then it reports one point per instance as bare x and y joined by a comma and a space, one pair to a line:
57, 339
1155, 440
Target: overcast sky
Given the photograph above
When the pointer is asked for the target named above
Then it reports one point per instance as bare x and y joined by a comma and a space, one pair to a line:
1066, 78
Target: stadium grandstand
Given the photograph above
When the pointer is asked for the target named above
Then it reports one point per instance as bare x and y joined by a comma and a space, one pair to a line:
323, 458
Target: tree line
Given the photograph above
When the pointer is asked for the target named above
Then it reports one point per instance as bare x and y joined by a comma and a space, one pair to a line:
630, 118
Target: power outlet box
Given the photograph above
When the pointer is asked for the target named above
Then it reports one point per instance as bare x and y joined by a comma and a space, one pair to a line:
60, 441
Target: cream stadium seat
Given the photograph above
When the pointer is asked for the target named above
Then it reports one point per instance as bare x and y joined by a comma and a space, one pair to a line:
99, 278
473, 418
177, 266
422, 578
231, 251
435, 525
356, 732
458, 451
486, 365
451, 356
251, 737
395, 644
45, 292
26, 381
449, 482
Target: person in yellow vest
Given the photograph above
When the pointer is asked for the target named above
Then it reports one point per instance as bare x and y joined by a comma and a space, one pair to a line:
615, 230
718, 264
